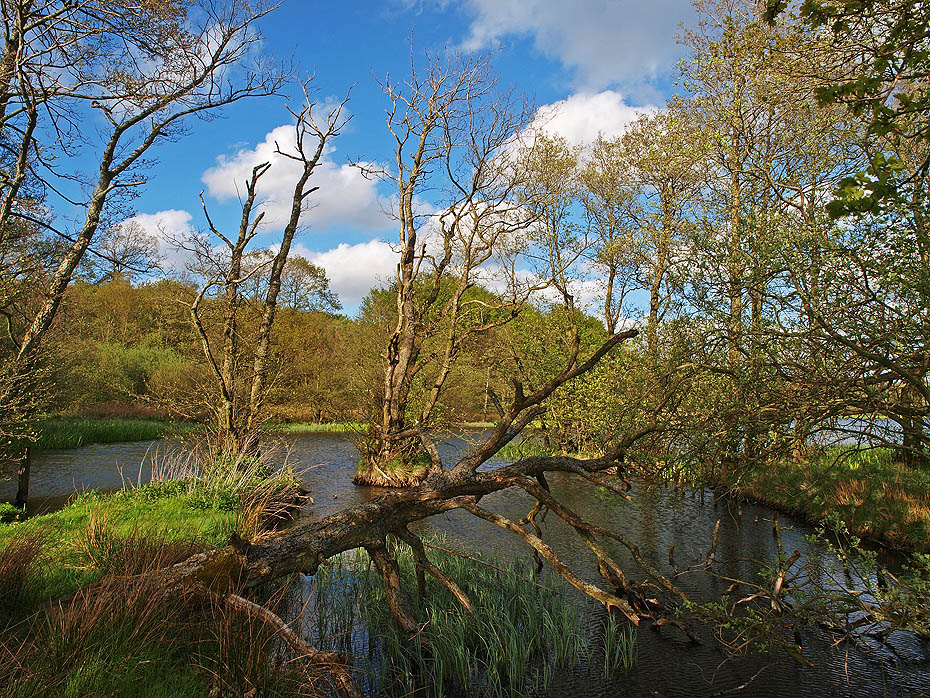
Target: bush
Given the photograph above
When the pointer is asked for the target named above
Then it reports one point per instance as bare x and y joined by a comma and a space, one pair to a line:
9, 513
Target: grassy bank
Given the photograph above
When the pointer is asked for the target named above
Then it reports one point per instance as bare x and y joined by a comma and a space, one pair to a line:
79, 615
871, 493
314, 427
194, 512
74, 432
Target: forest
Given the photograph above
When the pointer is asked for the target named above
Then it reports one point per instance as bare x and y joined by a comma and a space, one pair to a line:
655, 399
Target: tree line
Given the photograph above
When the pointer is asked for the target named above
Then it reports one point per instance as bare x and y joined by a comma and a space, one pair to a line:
764, 230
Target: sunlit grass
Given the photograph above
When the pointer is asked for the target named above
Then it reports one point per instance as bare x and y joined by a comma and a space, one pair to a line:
200, 511
314, 427
869, 490
73, 432
517, 450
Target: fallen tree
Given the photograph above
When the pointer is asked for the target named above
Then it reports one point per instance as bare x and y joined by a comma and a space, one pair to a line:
769, 611
304, 547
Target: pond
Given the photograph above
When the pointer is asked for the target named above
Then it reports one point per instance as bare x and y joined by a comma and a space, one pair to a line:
667, 664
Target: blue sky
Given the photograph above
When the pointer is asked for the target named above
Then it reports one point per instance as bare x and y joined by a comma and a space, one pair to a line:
587, 64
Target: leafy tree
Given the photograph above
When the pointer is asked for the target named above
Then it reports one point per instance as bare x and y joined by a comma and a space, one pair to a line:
878, 65
304, 286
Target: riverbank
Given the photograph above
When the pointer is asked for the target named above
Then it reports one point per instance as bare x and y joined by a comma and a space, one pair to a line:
79, 615
868, 492
192, 513
74, 432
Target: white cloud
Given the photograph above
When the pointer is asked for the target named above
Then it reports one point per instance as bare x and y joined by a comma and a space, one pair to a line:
605, 42
168, 227
581, 117
353, 270
345, 197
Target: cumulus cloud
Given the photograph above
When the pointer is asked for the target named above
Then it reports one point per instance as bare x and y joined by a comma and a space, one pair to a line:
345, 197
353, 270
581, 117
605, 42
168, 227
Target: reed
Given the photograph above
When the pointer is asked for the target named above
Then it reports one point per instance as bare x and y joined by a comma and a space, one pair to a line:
68, 432
620, 648
518, 631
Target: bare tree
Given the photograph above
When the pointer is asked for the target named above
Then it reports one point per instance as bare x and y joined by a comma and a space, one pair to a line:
453, 133
124, 252
145, 69
241, 389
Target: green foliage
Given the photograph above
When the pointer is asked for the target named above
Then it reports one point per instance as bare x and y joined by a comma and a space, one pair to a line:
884, 46
129, 638
9, 513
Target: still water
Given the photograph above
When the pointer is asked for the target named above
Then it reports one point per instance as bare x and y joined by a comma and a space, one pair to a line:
667, 664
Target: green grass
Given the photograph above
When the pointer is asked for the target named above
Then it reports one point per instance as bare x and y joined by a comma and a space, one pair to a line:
118, 632
868, 490
314, 427
517, 450
620, 647
397, 472
199, 511
74, 432
520, 632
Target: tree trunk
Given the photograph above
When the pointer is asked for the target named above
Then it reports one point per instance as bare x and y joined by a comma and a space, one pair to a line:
25, 469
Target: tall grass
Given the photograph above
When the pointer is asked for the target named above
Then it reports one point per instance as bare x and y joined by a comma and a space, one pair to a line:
315, 427
517, 450
130, 637
620, 647
20, 560
519, 634
67, 432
